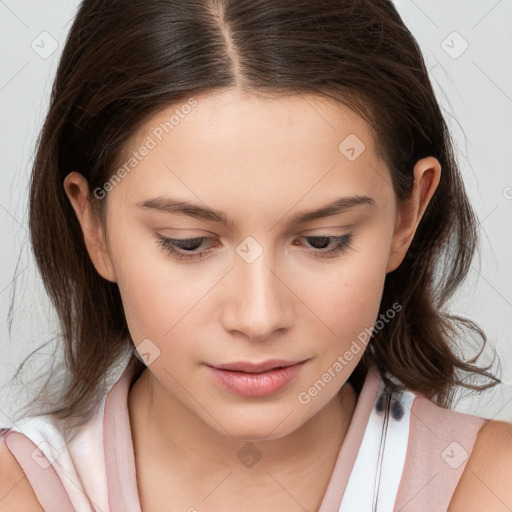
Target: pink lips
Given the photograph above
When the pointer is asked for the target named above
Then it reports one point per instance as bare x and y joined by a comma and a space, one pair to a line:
256, 379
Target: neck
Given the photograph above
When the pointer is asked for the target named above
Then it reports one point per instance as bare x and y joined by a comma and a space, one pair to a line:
165, 433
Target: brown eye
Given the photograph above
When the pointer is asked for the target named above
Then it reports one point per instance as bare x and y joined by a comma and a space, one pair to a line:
337, 244
184, 248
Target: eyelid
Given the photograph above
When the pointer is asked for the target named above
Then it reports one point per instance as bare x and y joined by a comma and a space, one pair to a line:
340, 245
325, 231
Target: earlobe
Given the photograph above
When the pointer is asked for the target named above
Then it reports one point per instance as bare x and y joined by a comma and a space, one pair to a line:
427, 174
77, 190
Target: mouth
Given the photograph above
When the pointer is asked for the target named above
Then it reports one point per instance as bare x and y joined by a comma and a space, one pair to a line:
256, 379
252, 367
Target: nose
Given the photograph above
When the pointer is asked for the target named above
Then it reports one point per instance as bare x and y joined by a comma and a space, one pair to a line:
258, 302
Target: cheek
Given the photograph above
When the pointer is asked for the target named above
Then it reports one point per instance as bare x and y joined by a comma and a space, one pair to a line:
157, 294
157, 301
347, 310
161, 306
162, 298
346, 297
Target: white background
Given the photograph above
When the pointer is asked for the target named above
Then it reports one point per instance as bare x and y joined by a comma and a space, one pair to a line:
474, 86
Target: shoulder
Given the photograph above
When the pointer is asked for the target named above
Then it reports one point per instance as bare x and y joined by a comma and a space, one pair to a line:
486, 483
16, 493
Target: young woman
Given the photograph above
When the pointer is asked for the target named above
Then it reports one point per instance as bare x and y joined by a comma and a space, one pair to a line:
252, 211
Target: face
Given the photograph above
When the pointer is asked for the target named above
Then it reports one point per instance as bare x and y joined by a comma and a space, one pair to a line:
237, 271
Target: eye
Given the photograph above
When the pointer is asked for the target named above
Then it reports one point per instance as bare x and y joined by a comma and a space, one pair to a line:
339, 244
187, 248
184, 248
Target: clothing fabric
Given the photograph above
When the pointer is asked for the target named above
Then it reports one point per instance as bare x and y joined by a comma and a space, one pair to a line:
401, 453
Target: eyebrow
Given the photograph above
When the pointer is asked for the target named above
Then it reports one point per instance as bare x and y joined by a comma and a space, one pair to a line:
178, 206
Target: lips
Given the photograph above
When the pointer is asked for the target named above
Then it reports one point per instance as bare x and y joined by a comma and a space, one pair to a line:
251, 367
251, 379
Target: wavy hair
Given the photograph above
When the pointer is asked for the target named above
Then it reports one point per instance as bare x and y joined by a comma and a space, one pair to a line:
126, 60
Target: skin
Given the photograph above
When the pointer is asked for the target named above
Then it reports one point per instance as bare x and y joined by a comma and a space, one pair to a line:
260, 161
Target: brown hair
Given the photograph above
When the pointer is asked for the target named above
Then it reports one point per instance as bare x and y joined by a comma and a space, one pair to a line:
125, 60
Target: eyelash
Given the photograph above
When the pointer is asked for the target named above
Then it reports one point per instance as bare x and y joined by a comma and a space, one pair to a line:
172, 246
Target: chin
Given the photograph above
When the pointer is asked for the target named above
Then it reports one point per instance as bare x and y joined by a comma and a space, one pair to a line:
245, 433
264, 426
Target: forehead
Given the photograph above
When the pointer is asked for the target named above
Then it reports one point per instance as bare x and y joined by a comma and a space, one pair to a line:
264, 121
258, 147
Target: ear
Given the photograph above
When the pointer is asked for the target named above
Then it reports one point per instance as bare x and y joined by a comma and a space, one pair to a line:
427, 174
77, 190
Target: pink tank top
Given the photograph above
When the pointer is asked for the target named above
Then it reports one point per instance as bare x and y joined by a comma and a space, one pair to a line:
401, 453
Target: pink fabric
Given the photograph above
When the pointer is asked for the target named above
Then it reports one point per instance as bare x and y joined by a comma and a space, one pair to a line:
350, 446
120, 460
119, 454
42, 477
440, 442
437, 443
